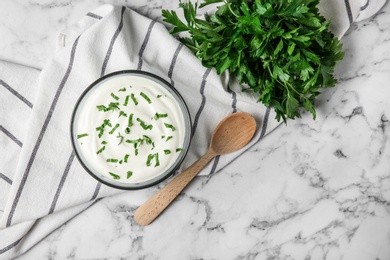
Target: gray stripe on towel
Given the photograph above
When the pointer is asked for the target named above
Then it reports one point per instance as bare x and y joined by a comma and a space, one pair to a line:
349, 11
265, 123
364, 7
173, 62
234, 101
5, 249
13, 91
108, 54
96, 192
62, 181
92, 15
202, 104
144, 43
215, 164
11, 136
42, 133
8, 180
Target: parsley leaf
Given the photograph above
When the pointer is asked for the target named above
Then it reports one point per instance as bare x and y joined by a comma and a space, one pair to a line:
282, 50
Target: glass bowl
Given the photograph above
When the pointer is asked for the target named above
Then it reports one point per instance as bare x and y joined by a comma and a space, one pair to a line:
130, 129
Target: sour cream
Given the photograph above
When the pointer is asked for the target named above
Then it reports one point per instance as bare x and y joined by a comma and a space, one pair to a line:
129, 129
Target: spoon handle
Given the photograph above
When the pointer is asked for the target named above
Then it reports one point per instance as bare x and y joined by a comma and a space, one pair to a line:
153, 207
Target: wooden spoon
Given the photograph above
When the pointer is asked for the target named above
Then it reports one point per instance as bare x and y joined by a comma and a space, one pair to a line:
231, 134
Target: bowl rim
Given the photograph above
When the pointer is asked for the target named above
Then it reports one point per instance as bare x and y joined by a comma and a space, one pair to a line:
187, 118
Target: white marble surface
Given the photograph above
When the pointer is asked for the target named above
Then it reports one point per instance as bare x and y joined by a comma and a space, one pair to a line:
309, 190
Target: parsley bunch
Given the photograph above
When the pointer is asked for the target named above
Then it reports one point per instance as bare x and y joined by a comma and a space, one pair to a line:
281, 49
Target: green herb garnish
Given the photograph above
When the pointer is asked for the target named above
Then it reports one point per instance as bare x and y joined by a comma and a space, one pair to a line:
148, 141
168, 138
150, 158
81, 135
145, 97
170, 126
122, 90
104, 142
113, 129
130, 122
101, 150
167, 151
115, 176
282, 50
158, 116
111, 107
126, 100
120, 138
144, 125
121, 113
158, 96
114, 96
126, 158
100, 128
129, 174
112, 160
136, 142
179, 149
134, 99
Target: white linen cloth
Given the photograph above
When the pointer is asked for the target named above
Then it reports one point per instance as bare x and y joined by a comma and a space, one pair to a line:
42, 184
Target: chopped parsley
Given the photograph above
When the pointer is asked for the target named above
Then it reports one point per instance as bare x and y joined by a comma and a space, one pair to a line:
158, 116
126, 100
101, 150
134, 99
113, 129
144, 125
142, 94
115, 176
114, 96
121, 113
170, 126
100, 128
150, 158
81, 135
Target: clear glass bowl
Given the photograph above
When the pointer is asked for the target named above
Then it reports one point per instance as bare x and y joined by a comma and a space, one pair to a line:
88, 164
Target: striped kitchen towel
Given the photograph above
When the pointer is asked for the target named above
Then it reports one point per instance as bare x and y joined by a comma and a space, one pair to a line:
42, 184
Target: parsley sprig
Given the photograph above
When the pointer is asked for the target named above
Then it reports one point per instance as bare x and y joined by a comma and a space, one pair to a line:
281, 50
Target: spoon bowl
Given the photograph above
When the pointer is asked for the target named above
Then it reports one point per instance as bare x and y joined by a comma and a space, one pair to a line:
230, 135
233, 133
